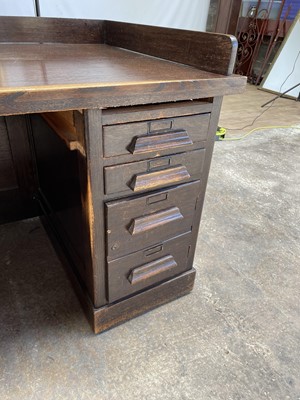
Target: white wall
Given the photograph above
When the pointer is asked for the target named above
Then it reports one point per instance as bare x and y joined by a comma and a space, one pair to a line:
183, 14
17, 7
284, 72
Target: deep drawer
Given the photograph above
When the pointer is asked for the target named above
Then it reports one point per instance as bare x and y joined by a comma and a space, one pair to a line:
154, 136
136, 223
152, 174
137, 271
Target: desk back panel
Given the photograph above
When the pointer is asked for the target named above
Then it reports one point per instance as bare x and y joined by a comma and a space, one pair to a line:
17, 181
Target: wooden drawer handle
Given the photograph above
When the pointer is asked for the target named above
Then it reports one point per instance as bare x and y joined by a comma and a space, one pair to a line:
147, 271
151, 221
159, 141
151, 180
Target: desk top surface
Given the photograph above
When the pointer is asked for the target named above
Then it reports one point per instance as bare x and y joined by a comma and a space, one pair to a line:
36, 67
56, 65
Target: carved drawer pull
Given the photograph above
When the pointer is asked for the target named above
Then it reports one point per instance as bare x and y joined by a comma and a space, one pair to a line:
151, 221
152, 269
151, 180
159, 141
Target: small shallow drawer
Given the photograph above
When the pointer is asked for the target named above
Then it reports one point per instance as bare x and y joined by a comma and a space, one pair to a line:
137, 271
136, 223
172, 134
152, 174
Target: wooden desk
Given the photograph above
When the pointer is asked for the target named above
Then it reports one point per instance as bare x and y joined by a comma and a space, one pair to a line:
115, 124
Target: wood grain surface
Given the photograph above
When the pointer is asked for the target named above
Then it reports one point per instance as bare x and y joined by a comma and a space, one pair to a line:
37, 66
212, 52
47, 30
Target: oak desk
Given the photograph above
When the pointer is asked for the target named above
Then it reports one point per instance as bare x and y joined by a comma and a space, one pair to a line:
117, 123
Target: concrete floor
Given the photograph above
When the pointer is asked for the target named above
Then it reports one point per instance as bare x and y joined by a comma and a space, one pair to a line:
235, 337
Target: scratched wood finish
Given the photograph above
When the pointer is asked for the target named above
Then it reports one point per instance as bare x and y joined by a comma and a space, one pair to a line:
109, 316
140, 270
188, 47
153, 174
139, 137
90, 96
50, 30
149, 213
115, 314
64, 76
124, 115
77, 65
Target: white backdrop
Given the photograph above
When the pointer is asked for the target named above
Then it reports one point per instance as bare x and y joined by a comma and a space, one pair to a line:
284, 72
183, 14
17, 7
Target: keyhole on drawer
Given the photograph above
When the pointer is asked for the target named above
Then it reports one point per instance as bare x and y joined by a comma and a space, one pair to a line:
115, 246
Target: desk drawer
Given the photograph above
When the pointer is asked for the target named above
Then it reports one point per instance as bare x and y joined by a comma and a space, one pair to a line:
136, 223
155, 136
137, 271
152, 174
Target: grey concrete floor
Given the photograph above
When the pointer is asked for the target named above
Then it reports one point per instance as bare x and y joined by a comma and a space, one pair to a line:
236, 336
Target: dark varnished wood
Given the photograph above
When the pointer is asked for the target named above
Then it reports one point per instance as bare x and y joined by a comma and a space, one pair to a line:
50, 30
148, 267
8, 178
109, 316
152, 174
63, 123
17, 178
139, 222
94, 206
160, 141
146, 272
156, 179
124, 115
22, 101
114, 314
155, 220
155, 136
176, 45
130, 254
65, 76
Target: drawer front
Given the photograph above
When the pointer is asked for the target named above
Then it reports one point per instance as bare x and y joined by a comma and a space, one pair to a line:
137, 271
171, 134
152, 174
136, 223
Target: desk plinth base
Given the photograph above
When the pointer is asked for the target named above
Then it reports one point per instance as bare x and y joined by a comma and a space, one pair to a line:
114, 314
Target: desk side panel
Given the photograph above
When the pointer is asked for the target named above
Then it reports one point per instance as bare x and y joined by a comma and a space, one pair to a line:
61, 196
211, 52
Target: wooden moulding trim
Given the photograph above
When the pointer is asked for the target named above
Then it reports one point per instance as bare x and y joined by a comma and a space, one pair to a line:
151, 269
152, 180
155, 220
71, 97
159, 141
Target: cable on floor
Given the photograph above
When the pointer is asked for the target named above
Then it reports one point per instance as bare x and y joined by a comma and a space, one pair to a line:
258, 129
